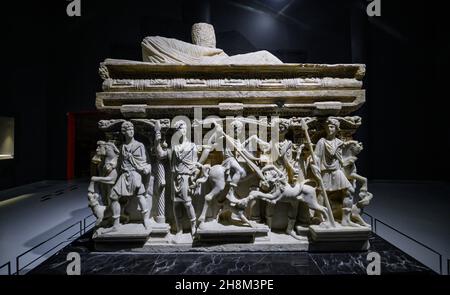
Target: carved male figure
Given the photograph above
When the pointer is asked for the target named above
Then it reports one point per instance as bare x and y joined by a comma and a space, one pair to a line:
133, 165
328, 153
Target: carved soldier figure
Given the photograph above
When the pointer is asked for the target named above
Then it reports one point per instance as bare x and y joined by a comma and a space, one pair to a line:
133, 164
233, 155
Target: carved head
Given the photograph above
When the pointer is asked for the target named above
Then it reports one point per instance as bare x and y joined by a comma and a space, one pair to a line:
101, 149
127, 129
203, 35
104, 148
332, 126
356, 147
272, 177
237, 126
181, 127
283, 125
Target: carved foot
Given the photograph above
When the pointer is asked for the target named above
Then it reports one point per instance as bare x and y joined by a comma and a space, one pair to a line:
358, 219
294, 235
114, 228
193, 227
147, 224
253, 224
347, 222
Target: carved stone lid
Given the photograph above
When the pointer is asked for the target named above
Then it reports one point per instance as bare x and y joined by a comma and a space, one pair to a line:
125, 69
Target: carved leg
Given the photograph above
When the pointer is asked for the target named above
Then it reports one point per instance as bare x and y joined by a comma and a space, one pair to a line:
145, 212
347, 211
264, 196
292, 218
290, 229
362, 180
208, 201
269, 214
177, 216
309, 196
93, 200
191, 214
245, 220
238, 174
115, 208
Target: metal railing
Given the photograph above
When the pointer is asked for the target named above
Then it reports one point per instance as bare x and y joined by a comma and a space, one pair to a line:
8, 264
373, 223
448, 267
81, 226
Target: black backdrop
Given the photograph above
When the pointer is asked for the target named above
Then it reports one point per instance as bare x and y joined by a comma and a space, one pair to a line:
50, 61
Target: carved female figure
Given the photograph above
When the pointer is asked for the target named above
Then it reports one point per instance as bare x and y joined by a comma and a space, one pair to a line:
183, 157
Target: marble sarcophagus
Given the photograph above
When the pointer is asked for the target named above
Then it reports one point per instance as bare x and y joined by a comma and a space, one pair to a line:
210, 152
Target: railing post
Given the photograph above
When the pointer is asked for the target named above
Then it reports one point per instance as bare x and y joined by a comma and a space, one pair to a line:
8, 264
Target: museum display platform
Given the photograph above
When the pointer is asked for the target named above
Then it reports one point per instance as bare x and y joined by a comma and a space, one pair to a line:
393, 261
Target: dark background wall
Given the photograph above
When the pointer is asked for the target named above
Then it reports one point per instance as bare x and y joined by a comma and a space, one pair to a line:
50, 62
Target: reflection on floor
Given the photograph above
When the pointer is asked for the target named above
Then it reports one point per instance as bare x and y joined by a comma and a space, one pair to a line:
236, 263
33, 213
419, 210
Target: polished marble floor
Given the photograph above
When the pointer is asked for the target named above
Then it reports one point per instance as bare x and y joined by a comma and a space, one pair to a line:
393, 261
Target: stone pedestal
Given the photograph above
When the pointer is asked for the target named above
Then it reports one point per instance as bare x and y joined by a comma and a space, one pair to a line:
217, 233
339, 238
160, 233
127, 236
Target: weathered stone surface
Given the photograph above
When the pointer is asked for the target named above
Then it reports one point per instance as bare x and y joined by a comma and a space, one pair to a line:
137, 89
126, 232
